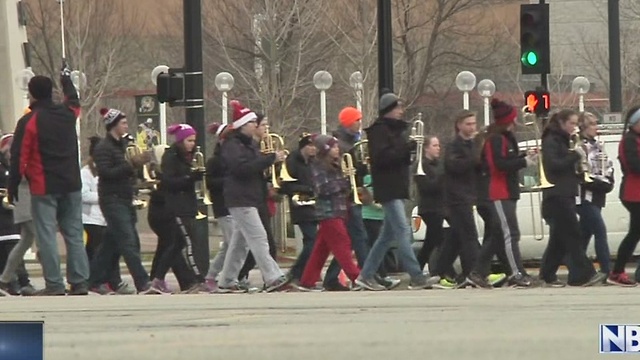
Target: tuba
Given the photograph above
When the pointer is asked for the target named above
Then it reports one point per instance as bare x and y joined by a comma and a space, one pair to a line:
349, 170
198, 165
417, 134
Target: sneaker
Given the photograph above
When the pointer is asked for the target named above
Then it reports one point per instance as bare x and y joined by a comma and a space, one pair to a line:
310, 289
102, 289
496, 280
232, 289
388, 282
211, 284
445, 284
554, 284
621, 279
596, 279
423, 282
149, 290
79, 290
336, 287
478, 281
50, 292
519, 281
369, 284
199, 288
278, 284
27, 290
5, 289
124, 289
161, 286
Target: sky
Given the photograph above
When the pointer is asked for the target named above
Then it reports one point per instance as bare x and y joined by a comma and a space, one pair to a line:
21, 341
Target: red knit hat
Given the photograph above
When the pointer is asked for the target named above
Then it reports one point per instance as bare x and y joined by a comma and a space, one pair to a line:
5, 140
241, 114
503, 113
349, 116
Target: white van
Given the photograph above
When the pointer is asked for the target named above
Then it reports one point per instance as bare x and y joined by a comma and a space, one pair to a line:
533, 229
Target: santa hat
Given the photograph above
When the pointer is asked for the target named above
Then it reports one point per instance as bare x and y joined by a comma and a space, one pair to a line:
217, 128
181, 131
503, 113
5, 140
241, 114
111, 117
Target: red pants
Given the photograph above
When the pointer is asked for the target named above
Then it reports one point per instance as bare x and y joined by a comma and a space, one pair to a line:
332, 238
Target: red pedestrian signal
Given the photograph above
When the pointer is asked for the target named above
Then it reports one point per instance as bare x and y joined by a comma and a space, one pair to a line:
537, 102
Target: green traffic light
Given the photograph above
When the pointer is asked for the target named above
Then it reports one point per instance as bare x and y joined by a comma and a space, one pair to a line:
530, 58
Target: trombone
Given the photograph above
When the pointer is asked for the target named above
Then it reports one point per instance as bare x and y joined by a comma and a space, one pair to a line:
198, 165
350, 171
417, 134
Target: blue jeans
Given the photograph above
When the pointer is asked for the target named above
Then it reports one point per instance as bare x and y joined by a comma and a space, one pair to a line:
120, 237
358, 234
309, 231
63, 211
592, 224
395, 227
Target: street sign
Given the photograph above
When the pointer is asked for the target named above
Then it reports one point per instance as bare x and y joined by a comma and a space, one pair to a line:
613, 118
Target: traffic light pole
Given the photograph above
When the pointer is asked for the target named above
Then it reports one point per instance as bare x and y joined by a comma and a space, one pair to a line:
385, 47
615, 75
544, 78
194, 108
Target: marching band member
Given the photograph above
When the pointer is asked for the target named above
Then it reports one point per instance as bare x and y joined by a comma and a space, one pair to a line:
244, 194
593, 194
558, 205
501, 156
628, 151
390, 156
461, 170
17, 233
94, 224
215, 178
303, 212
115, 191
331, 188
178, 181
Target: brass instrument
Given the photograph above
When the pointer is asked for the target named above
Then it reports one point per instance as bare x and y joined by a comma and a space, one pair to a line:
362, 153
270, 144
582, 168
198, 165
600, 165
147, 182
4, 193
417, 134
350, 171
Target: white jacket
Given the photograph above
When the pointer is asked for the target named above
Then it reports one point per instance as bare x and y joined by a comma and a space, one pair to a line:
91, 213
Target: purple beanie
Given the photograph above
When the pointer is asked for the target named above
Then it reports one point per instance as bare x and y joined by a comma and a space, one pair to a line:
181, 131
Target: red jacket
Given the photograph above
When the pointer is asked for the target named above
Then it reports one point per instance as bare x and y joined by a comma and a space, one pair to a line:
45, 146
629, 155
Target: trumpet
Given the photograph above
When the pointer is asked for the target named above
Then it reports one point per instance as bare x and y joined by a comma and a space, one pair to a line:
198, 165
362, 153
349, 170
4, 193
417, 134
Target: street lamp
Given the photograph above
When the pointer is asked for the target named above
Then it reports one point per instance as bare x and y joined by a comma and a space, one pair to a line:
22, 79
356, 82
161, 69
580, 86
79, 80
465, 81
486, 89
322, 80
224, 82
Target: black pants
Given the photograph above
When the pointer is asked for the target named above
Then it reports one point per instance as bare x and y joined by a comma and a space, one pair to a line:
629, 243
501, 237
250, 262
564, 238
464, 237
162, 224
21, 272
95, 234
433, 238
390, 263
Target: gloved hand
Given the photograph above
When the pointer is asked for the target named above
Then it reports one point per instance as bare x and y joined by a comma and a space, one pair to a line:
197, 174
413, 145
532, 159
65, 70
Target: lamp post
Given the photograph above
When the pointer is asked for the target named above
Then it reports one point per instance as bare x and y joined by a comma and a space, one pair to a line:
161, 69
79, 80
356, 82
322, 80
22, 79
580, 86
224, 82
486, 89
465, 81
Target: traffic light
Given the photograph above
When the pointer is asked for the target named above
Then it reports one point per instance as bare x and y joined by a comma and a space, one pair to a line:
170, 87
537, 102
534, 39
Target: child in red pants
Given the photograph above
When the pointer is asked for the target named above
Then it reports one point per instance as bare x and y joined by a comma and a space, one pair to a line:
331, 188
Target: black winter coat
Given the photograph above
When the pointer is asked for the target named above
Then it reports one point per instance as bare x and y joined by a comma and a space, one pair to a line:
390, 153
115, 174
559, 164
300, 170
461, 168
430, 187
244, 183
178, 182
215, 182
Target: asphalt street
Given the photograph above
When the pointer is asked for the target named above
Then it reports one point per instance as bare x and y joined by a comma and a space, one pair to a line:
440, 324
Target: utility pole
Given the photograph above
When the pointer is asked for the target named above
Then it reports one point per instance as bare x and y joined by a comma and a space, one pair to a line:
615, 76
385, 47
